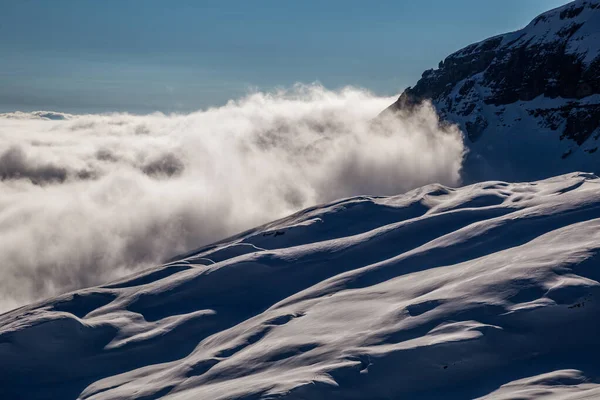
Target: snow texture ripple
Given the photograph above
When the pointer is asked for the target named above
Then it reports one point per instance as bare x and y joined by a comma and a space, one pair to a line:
488, 291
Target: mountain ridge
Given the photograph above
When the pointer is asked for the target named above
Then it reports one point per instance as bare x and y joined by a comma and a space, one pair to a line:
528, 101
364, 297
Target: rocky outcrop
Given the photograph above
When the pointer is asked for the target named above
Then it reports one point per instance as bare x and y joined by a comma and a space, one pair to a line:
538, 86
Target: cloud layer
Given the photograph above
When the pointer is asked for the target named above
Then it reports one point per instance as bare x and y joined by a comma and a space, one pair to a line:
86, 199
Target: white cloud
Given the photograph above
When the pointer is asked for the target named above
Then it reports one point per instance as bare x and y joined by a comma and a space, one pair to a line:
85, 199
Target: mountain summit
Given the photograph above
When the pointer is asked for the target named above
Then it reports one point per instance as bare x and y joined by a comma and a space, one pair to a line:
528, 101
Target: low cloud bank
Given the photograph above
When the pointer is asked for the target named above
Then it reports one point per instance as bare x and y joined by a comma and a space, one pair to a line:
85, 199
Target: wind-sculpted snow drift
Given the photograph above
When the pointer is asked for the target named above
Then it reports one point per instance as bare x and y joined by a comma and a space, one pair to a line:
489, 291
88, 198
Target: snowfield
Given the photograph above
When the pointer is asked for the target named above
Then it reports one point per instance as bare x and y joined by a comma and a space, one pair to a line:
488, 291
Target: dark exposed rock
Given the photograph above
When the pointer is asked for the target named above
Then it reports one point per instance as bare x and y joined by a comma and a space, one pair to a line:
518, 69
476, 128
571, 12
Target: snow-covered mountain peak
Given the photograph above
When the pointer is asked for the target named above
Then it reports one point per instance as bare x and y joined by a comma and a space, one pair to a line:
528, 101
577, 24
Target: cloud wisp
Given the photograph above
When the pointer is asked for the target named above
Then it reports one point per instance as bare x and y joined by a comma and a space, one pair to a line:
85, 199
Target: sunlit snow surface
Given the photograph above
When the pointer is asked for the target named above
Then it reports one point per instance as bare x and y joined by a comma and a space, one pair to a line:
486, 291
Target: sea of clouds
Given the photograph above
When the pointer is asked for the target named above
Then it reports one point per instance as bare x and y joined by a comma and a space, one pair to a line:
85, 199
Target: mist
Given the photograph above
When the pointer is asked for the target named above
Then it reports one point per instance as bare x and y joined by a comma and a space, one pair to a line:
85, 199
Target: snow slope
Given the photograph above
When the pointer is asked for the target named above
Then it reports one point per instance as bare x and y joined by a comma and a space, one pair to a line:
488, 291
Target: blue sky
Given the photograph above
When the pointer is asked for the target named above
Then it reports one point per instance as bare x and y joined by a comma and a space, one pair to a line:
142, 56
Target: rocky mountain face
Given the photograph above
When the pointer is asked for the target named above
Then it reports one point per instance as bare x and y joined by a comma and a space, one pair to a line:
528, 101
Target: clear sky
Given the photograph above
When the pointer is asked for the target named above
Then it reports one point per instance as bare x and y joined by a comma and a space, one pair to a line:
178, 55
